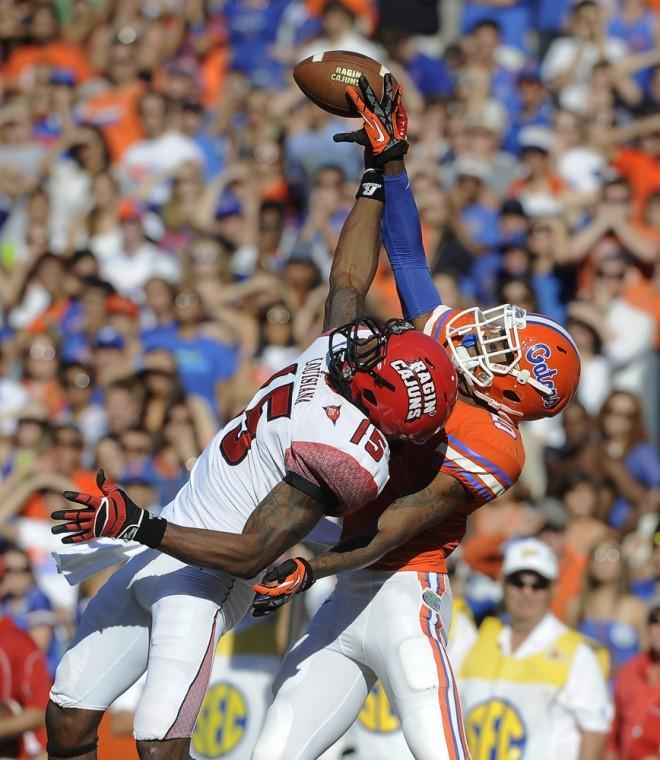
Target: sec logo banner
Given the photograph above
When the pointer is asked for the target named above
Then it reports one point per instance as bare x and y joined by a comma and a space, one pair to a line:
495, 731
222, 721
377, 714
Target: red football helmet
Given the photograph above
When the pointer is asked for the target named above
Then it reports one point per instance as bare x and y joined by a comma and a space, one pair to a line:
400, 378
523, 364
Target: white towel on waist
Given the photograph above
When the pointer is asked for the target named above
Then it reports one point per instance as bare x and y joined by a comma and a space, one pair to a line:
78, 561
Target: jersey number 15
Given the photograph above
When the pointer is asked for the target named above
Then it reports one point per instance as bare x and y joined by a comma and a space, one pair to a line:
236, 443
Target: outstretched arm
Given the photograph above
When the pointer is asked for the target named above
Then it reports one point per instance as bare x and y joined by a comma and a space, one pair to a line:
402, 236
384, 138
282, 518
280, 521
401, 521
354, 263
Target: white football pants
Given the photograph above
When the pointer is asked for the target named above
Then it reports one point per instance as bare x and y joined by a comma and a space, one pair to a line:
390, 626
155, 614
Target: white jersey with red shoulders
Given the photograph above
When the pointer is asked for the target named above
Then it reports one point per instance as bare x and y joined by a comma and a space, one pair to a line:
296, 428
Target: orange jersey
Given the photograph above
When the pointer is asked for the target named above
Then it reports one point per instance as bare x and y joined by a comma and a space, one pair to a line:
481, 449
115, 113
22, 63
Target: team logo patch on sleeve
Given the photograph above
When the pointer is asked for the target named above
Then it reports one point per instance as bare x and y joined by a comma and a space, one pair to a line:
333, 412
422, 397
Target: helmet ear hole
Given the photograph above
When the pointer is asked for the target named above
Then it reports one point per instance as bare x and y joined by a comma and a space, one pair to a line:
369, 396
512, 396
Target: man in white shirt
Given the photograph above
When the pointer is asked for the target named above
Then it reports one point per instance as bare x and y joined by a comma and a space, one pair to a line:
129, 269
533, 688
339, 33
567, 65
155, 159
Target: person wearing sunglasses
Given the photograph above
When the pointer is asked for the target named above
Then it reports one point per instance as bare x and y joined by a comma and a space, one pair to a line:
530, 686
625, 329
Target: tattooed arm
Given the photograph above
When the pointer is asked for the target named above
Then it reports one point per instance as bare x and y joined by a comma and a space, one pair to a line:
354, 263
282, 519
401, 521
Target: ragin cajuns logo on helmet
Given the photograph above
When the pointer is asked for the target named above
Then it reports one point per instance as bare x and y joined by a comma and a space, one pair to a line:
537, 356
422, 397
333, 413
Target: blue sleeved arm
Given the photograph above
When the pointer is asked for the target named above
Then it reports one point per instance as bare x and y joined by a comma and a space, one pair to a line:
402, 236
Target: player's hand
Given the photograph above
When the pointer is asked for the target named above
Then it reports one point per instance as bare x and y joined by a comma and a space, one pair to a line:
113, 515
385, 123
280, 584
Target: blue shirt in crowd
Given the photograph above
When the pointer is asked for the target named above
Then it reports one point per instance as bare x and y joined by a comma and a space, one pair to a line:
515, 21
252, 31
431, 76
201, 361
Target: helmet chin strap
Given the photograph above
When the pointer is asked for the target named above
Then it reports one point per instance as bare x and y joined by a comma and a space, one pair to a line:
524, 377
496, 405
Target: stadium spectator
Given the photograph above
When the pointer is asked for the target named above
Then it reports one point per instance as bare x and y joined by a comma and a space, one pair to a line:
13, 396
149, 163
25, 603
548, 522
569, 61
532, 107
512, 19
339, 32
564, 711
627, 331
203, 361
252, 29
595, 378
309, 146
40, 364
114, 110
634, 734
625, 440
613, 222
24, 687
431, 76
109, 456
136, 259
540, 189
81, 409
123, 401
607, 612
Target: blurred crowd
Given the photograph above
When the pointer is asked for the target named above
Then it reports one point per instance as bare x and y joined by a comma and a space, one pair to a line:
169, 208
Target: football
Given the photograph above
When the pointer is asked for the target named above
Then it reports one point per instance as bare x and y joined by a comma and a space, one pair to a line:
325, 76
